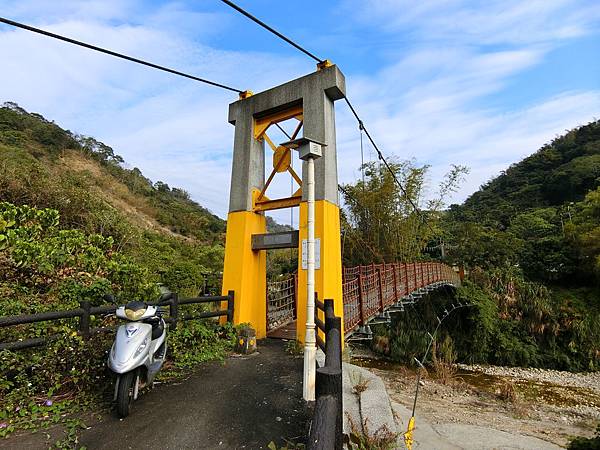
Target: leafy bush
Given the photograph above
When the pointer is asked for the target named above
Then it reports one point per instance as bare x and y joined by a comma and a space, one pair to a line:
44, 267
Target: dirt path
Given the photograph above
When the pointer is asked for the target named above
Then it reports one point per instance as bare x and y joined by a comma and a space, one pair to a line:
243, 403
523, 401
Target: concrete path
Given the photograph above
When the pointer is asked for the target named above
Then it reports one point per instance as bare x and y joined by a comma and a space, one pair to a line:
242, 404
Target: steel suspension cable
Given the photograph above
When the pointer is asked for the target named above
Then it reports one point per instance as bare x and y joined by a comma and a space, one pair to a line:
271, 30
116, 54
361, 124
388, 167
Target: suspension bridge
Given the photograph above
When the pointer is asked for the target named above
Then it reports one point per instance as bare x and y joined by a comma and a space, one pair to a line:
371, 293
323, 304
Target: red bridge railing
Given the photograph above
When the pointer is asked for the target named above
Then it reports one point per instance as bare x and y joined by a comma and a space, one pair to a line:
370, 290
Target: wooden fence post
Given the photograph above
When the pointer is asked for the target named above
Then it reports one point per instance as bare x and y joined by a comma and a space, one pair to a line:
84, 319
174, 309
333, 359
230, 302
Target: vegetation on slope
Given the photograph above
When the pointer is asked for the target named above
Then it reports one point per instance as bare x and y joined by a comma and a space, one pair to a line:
529, 240
542, 214
159, 227
74, 225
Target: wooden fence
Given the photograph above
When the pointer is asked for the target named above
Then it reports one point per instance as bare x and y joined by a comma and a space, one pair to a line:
86, 311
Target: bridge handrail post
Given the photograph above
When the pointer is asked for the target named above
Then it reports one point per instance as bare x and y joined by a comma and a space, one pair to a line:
405, 267
414, 268
394, 279
361, 303
381, 304
295, 313
422, 275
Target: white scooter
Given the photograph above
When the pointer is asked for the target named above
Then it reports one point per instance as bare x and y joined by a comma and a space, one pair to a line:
138, 352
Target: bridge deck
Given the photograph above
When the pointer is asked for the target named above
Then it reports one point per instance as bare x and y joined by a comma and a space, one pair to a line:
287, 331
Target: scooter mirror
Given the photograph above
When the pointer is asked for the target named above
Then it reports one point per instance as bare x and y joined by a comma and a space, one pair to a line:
109, 298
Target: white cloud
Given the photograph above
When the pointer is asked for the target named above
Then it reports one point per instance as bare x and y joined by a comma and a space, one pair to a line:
427, 104
173, 129
482, 23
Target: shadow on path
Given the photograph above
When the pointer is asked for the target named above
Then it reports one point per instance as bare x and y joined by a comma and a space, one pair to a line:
244, 403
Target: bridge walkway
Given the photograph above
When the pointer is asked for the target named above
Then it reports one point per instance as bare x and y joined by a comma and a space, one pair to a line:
370, 293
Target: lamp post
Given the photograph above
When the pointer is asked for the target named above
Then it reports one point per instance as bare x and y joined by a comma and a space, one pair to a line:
308, 151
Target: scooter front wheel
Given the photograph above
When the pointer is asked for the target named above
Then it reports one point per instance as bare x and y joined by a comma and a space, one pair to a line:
125, 393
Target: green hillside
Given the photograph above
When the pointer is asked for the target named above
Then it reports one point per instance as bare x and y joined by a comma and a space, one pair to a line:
530, 240
75, 225
159, 227
541, 214
559, 173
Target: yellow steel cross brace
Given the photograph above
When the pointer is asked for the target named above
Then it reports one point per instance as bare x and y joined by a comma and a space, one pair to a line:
281, 160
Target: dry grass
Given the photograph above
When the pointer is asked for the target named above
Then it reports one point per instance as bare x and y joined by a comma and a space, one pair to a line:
507, 392
359, 382
362, 439
136, 208
445, 373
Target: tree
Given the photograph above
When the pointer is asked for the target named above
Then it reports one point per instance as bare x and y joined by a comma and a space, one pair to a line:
380, 223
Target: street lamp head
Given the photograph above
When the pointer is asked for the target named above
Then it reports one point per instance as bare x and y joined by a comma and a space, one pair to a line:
307, 148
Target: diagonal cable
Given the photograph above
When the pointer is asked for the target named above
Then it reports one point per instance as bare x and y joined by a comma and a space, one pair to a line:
115, 54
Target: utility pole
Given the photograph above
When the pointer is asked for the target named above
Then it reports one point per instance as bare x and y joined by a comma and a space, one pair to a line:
308, 151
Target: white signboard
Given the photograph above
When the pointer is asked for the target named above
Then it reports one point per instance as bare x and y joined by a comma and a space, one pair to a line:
305, 254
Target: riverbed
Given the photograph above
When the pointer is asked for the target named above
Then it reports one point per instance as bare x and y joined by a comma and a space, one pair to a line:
547, 404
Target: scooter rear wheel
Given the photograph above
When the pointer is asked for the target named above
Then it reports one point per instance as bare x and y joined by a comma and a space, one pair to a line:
125, 393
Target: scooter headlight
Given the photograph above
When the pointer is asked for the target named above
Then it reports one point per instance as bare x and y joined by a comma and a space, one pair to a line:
134, 314
141, 348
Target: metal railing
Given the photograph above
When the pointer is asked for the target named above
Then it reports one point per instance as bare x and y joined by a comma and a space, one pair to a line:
326, 432
281, 302
86, 311
369, 290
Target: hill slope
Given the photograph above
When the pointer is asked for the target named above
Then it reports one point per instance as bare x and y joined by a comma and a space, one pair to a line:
45, 166
560, 172
541, 215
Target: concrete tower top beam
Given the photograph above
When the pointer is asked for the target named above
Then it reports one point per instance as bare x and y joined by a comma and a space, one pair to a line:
316, 93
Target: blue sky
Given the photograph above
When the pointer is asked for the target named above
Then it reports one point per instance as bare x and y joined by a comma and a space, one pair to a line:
475, 83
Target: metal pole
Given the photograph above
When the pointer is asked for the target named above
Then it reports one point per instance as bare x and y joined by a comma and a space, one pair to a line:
310, 349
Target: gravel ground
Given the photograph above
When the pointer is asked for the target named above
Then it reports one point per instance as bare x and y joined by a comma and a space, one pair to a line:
586, 380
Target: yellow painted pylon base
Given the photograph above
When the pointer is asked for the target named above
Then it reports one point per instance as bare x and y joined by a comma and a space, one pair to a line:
245, 270
328, 277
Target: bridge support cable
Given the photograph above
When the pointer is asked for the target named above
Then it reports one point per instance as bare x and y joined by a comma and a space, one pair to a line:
117, 55
273, 30
387, 165
321, 64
